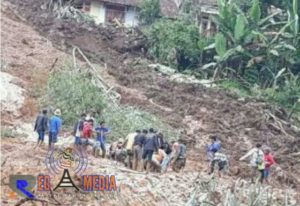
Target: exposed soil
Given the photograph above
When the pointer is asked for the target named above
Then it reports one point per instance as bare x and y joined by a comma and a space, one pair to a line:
198, 110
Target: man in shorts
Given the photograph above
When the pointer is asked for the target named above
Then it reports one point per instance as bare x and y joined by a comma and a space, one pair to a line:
221, 160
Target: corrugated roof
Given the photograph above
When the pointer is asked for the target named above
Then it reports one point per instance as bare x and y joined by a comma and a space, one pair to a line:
168, 8
123, 2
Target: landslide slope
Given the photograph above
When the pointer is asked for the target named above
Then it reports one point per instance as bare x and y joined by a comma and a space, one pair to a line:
199, 111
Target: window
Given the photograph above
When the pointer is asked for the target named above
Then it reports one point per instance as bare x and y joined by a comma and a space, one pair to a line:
114, 11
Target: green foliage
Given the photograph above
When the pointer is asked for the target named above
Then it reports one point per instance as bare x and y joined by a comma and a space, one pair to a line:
286, 95
255, 12
174, 43
234, 86
150, 10
220, 44
8, 132
74, 92
239, 29
257, 49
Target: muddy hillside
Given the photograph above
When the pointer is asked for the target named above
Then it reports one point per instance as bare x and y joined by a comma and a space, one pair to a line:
198, 110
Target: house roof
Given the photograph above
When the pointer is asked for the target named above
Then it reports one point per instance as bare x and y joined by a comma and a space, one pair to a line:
168, 8
123, 2
171, 8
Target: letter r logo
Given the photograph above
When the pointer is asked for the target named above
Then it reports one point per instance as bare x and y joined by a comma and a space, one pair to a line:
22, 184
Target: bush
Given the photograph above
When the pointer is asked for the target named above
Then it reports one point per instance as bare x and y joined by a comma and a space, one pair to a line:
74, 92
150, 10
174, 43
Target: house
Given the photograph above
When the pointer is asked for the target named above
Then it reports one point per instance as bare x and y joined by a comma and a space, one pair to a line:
105, 11
126, 11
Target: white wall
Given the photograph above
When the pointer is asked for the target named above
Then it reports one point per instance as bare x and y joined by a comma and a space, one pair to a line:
131, 17
97, 11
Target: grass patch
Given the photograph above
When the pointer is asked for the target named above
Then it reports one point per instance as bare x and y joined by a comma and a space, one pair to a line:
8, 132
286, 96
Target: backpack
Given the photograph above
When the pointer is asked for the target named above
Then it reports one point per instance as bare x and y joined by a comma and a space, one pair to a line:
87, 130
259, 160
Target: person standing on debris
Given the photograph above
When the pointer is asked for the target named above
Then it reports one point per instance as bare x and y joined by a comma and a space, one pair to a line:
77, 131
129, 140
139, 141
54, 128
87, 133
269, 161
214, 147
178, 158
41, 125
102, 131
256, 161
159, 138
149, 147
222, 161
168, 150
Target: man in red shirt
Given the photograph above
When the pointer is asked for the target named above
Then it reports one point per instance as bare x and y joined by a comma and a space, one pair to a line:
269, 161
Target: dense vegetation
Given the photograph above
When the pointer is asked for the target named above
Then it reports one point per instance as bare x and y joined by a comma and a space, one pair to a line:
84, 95
254, 50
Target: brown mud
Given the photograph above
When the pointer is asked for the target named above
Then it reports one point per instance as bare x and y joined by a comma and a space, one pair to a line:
200, 111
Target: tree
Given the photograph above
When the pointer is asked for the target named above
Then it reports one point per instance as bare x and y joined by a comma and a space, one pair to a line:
150, 10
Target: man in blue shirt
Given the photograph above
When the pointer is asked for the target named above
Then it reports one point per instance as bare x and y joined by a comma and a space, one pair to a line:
101, 131
212, 148
150, 147
54, 128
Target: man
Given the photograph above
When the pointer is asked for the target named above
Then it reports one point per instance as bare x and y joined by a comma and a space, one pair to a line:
40, 126
149, 147
221, 160
178, 158
117, 151
168, 150
256, 161
159, 140
139, 141
87, 133
214, 147
102, 131
158, 158
269, 161
54, 128
78, 128
129, 140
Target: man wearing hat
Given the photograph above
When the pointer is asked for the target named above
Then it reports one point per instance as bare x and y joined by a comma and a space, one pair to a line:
54, 128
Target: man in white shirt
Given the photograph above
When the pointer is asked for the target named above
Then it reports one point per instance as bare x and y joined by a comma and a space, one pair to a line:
256, 160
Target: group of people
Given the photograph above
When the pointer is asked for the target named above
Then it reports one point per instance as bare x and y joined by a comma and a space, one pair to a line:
141, 150
53, 125
146, 149
261, 160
